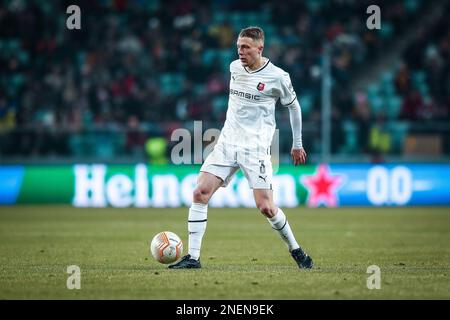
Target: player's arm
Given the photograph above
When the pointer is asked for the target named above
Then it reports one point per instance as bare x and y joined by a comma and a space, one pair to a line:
298, 154
289, 99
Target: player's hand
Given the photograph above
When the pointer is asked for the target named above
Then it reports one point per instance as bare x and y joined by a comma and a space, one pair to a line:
298, 156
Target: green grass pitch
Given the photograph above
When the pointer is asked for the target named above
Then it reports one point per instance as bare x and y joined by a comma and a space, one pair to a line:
242, 257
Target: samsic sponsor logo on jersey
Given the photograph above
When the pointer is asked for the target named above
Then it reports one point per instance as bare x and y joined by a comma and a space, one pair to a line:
244, 95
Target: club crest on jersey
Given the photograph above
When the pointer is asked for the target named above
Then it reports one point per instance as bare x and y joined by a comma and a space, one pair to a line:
260, 86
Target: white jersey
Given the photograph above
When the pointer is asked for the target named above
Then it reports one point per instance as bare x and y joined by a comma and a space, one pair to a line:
250, 120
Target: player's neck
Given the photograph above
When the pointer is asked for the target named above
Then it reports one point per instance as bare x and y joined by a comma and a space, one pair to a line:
258, 64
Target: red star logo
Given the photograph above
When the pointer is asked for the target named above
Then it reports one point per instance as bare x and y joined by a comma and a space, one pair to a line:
322, 187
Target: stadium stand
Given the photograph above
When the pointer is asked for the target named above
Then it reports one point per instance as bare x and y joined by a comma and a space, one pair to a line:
138, 69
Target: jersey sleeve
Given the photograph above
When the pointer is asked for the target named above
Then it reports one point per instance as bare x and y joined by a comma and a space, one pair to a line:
287, 93
233, 66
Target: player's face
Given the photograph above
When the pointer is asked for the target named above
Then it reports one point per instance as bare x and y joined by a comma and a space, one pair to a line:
249, 51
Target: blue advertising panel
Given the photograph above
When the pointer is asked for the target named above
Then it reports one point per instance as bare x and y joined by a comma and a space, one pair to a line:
11, 178
142, 185
393, 185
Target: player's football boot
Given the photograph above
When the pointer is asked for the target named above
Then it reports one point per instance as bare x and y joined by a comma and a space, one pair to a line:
303, 260
186, 263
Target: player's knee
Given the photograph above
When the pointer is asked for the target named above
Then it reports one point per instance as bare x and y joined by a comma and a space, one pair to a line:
266, 209
201, 194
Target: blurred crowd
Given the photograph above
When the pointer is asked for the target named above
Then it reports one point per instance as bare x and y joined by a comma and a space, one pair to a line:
148, 67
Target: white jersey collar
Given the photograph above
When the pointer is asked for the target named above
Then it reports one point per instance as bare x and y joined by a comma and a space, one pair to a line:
254, 71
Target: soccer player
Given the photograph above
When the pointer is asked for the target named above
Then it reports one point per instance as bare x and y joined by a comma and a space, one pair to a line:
244, 143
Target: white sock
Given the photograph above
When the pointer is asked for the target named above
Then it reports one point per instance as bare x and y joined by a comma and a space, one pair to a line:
196, 227
281, 225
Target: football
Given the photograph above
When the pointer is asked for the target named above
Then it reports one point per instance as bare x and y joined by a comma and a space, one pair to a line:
166, 247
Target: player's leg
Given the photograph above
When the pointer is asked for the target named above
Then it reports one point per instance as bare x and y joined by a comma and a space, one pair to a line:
257, 168
207, 184
275, 216
279, 222
217, 170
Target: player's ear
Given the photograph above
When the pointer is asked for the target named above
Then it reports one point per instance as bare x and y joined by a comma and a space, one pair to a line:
261, 48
